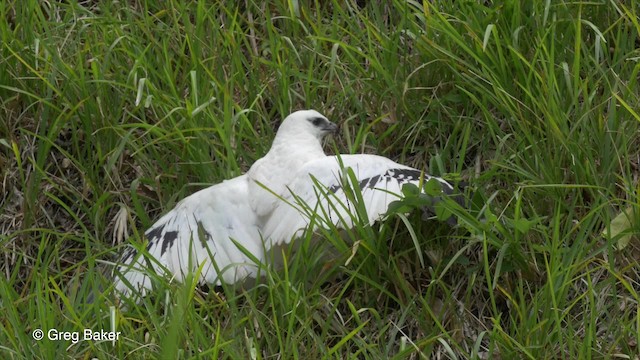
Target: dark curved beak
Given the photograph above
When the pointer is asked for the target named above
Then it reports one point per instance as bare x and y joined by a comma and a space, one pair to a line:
330, 127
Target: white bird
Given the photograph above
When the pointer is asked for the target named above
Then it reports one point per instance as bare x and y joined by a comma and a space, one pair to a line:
294, 185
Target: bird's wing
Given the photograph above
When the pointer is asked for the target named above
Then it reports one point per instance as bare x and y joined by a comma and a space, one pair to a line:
201, 228
320, 192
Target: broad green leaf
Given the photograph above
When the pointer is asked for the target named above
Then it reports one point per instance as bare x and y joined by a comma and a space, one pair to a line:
621, 226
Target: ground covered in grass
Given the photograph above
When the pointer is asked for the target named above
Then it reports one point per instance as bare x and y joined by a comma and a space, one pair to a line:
111, 112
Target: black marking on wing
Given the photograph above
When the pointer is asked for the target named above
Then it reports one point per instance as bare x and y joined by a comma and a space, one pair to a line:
152, 235
203, 234
400, 175
374, 180
404, 175
168, 240
128, 253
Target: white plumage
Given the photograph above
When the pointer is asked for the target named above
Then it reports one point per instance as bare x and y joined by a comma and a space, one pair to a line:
269, 205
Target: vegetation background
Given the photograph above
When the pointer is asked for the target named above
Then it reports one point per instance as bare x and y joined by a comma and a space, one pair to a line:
112, 111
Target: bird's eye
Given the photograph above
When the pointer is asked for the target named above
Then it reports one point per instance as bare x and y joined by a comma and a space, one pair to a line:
316, 121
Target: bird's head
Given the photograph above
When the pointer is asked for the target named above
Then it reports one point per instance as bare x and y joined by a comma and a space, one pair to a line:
306, 122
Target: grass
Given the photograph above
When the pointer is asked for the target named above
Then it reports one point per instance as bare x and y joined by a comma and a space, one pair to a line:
112, 112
